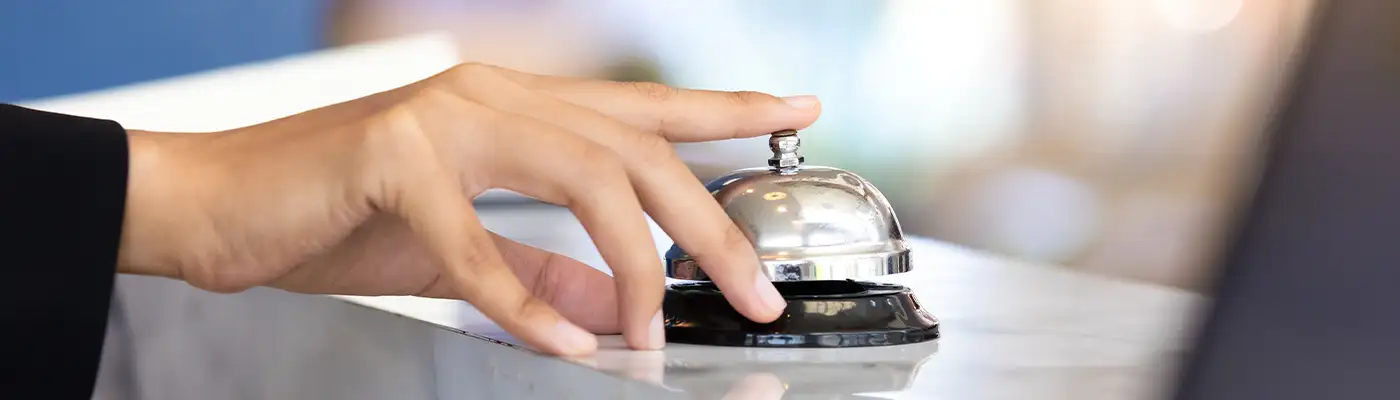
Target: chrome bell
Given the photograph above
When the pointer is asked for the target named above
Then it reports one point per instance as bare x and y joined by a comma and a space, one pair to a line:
807, 223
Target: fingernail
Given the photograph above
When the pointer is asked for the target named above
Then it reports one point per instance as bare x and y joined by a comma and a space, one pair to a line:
573, 339
657, 337
801, 101
769, 294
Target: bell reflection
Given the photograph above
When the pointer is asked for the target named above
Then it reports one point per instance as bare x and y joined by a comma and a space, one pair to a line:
774, 374
828, 308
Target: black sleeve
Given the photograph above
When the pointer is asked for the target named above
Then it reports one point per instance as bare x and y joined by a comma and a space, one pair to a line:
62, 199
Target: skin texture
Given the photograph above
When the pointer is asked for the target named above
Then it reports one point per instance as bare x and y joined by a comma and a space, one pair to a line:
373, 197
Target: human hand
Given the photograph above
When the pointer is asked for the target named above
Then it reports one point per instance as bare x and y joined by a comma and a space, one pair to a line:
373, 197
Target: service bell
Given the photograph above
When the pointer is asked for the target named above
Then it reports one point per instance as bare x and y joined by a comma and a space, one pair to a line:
819, 232
806, 222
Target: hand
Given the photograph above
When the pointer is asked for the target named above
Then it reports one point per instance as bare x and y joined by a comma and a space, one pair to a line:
373, 197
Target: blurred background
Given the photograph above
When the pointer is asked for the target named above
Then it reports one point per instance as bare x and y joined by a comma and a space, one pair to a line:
1111, 136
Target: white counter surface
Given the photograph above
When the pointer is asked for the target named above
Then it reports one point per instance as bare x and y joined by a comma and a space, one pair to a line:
1010, 330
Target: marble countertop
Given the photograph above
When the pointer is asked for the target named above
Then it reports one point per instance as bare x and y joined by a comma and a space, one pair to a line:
1010, 330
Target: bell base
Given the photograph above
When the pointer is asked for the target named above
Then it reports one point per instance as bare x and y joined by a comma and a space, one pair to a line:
820, 314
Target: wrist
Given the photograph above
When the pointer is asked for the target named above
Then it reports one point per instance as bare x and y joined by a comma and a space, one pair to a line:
145, 189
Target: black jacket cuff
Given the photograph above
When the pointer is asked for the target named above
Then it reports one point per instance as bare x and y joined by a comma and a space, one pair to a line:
63, 186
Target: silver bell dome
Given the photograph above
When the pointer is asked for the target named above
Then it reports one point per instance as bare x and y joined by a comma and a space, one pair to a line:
806, 222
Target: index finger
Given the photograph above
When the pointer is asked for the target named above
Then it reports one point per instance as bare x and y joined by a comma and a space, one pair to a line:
666, 189
680, 115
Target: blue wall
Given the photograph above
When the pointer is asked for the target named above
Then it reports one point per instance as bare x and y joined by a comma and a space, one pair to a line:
52, 47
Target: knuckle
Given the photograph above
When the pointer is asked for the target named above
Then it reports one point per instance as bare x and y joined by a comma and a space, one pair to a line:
476, 258
395, 140
471, 69
408, 117
468, 72
652, 91
427, 120
600, 172
654, 150
733, 238
731, 242
599, 164
427, 103
532, 308
433, 96
745, 98
478, 274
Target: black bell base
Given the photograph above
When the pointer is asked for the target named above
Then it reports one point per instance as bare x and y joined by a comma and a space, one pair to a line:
820, 314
